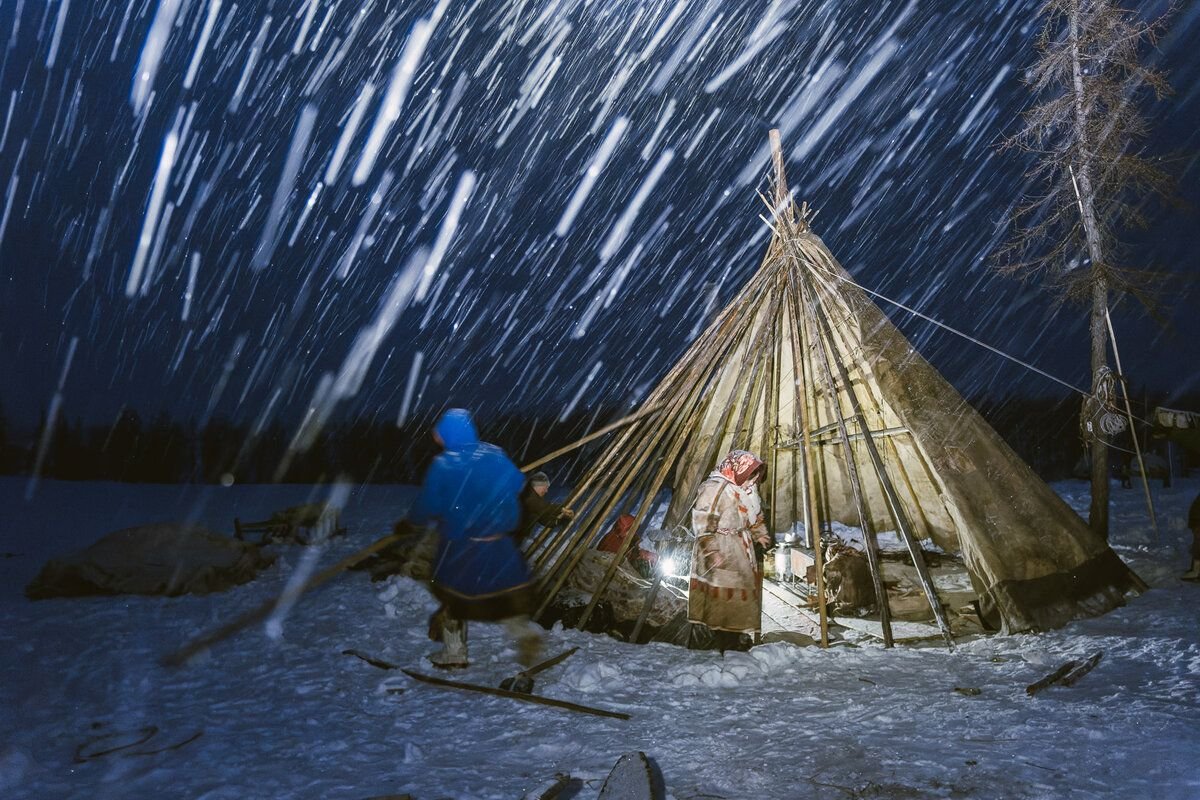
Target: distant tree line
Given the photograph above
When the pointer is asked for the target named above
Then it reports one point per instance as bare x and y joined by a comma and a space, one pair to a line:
165, 450
1043, 431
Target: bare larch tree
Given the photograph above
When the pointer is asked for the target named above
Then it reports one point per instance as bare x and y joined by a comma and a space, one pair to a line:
1091, 180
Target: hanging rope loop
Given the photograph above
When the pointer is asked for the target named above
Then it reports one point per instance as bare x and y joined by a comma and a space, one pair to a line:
1100, 417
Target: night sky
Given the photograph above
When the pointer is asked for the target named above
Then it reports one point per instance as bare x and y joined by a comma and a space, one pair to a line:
212, 201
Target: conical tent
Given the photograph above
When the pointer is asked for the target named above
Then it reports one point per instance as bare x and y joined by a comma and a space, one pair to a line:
855, 426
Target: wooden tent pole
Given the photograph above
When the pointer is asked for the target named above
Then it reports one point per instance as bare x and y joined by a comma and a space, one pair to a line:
541, 550
889, 490
772, 420
539, 555
868, 527
649, 604
800, 364
612, 426
808, 468
710, 348
1137, 447
743, 429
559, 572
781, 187
676, 442
905, 482
575, 551
800, 419
771, 426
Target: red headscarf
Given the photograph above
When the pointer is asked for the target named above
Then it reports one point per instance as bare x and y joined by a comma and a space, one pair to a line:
741, 465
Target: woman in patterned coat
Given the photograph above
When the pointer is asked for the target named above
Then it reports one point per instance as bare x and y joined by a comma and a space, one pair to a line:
727, 522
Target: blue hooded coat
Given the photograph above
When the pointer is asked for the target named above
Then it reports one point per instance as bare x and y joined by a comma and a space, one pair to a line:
471, 494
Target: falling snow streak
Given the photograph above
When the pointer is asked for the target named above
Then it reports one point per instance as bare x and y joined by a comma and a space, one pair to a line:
310, 12
210, 20
969, 122
52, 414
8, 204
583, 387
844, 99
12, 102
466, 184
158, 193
358, 362
414, 373
266, 243
152, 52
309, 205
364, 225
226, 374
348, 130
620, 228
63, 7
193, 271
755, 47
592, 174
235, 102
393, 100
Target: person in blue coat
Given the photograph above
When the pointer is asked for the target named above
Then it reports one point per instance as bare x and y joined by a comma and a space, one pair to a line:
471, 495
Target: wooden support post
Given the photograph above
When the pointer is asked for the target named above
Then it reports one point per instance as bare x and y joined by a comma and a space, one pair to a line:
889, 490
771, 434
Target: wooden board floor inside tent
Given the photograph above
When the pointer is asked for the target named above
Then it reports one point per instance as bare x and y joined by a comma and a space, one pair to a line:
782, 614
785, 609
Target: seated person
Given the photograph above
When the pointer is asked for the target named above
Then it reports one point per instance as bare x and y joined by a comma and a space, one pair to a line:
641, 560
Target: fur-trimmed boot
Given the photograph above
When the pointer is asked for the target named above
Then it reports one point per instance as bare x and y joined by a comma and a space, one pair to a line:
528, 638
453, 654
1193, 574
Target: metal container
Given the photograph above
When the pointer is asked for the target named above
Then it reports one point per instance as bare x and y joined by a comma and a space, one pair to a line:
783, 562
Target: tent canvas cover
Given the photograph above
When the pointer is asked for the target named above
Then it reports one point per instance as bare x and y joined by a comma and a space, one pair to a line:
803, 368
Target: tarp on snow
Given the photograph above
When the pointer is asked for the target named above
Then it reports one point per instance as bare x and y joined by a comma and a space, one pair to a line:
163, 559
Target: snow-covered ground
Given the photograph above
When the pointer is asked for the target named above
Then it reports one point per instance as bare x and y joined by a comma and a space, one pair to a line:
293, 717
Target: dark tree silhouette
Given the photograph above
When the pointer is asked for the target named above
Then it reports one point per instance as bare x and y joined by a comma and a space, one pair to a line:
1093, 183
